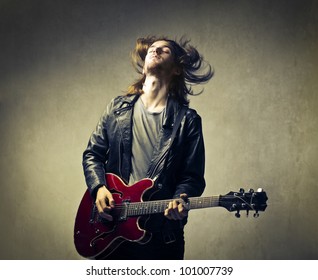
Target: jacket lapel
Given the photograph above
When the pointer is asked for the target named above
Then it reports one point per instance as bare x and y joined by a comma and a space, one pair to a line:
124, 118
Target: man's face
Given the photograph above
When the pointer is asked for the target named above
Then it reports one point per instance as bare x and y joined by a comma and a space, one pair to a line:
159, 58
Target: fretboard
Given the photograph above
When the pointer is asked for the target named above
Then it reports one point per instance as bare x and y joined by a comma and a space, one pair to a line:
159, 206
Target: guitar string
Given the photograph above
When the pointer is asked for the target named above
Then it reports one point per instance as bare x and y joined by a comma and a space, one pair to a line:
194, 202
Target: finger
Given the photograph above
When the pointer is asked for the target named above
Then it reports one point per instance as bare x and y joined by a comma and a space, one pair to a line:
111, 201
184, 196
185, 205
175, 204
168, 211
183, 212
167, 214
101, 204
177, 211
174, 210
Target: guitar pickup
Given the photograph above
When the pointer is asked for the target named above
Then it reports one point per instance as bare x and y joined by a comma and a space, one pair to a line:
121, 211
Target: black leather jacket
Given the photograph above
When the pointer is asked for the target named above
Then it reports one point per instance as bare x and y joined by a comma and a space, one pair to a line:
109, 150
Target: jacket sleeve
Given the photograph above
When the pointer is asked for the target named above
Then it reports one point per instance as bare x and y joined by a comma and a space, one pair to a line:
191, 170
96, 154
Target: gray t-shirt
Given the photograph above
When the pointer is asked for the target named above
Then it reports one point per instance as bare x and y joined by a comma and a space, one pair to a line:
145, 130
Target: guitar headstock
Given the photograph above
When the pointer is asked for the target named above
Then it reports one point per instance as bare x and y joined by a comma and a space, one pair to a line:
247, 201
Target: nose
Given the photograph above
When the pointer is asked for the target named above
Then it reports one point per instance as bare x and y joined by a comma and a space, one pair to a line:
157, 50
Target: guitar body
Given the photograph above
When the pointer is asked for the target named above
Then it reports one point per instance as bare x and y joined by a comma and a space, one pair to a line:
95, 237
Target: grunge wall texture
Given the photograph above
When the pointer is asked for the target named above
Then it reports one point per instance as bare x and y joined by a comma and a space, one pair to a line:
63, 61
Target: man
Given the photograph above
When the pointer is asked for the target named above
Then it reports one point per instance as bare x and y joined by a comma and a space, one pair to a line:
133, 141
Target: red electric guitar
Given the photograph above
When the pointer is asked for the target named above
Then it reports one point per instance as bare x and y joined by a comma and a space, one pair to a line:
95, 237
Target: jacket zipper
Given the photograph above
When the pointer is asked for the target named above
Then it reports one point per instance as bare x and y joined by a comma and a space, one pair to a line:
123, 109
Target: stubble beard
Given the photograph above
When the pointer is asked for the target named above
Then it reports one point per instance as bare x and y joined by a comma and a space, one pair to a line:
158, 69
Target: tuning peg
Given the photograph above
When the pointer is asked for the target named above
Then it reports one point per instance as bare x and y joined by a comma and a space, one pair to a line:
247, 212
250, 190
237, 214
256, 214
242, 190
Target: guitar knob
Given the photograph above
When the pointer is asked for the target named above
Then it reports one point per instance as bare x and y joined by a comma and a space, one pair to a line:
259, 190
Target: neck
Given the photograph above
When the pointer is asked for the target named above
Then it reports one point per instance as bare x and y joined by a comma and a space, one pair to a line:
155, 93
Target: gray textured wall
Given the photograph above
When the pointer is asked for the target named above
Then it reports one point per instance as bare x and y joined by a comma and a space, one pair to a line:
62, 61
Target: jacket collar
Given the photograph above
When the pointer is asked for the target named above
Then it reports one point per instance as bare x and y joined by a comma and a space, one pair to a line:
170, 113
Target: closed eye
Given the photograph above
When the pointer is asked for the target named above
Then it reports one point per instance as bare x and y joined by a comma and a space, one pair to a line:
159, 49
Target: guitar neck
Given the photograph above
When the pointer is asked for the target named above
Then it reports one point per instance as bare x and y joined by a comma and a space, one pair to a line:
159, 206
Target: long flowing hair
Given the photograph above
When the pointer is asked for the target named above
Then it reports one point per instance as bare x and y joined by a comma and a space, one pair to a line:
193, 68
